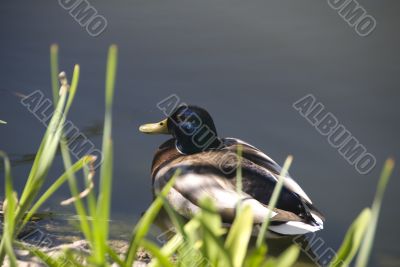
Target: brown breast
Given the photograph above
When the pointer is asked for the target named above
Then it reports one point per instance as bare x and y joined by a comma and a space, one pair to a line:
166, 153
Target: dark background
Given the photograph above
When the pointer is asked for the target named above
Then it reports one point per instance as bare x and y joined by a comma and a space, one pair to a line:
244, 61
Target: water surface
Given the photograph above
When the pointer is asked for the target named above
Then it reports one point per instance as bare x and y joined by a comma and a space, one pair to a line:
246, 62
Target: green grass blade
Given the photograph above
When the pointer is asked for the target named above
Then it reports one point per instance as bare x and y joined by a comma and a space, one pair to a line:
45, 258
289, 257
91, 199
54, 71
8, 209
156, 253
72, 181
9, 190
273, 200
43, 159
143, 226
352, 240
174, 217
79, 207
46, 154
211, 228
172, 245
256, 257
73, 88
213, 247
115, 257
111, 74
101, 222
168, 249
239, 235
69, 258
189, 251
286, 259
366, 246
34, 166
54, 187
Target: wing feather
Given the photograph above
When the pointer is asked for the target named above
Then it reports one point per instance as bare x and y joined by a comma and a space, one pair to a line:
254, 154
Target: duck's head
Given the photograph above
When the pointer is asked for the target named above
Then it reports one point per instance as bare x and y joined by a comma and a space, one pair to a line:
191, 126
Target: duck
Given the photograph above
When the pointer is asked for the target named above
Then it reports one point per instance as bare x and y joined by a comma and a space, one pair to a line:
208, 165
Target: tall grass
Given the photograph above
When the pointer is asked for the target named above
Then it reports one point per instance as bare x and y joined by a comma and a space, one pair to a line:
98, 208
202, 240
16, 217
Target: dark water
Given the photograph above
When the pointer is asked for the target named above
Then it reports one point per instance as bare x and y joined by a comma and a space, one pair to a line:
246, 62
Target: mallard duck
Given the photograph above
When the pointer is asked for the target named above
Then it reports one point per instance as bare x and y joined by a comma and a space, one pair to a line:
208, 169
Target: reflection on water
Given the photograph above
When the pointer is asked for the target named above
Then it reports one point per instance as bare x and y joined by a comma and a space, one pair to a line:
61, 229
94, 130
16, 160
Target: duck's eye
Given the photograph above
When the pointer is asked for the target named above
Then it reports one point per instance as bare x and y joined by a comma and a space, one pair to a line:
188, 127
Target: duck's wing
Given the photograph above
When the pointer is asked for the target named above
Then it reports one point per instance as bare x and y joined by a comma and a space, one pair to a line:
199, 179
259, 177
255, 155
